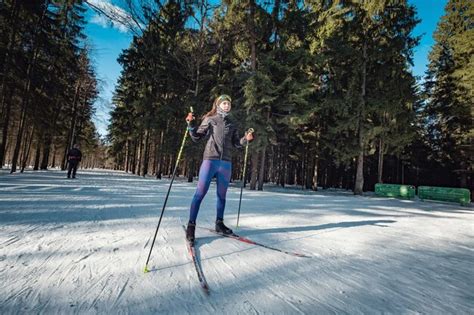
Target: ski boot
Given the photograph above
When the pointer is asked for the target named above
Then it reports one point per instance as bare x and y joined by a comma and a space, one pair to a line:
221, 228
190, 232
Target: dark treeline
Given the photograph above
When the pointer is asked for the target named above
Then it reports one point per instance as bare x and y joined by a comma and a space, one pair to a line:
326, 85
47, 85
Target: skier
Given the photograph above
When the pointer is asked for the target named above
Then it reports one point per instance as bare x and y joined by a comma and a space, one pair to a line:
223, 135
74, 156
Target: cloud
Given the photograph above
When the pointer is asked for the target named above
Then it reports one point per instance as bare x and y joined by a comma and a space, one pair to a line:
120, 18
105, 22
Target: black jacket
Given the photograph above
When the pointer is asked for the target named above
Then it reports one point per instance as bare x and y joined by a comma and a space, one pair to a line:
223, 136
74, 155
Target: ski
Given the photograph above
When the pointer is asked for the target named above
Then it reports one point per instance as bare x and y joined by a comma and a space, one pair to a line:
249, 241
197, 266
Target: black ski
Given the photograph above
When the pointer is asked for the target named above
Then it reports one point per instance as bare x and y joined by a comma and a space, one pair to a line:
249, 241
192, 252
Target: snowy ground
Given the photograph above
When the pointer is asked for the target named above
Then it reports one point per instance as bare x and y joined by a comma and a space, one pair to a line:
80, 246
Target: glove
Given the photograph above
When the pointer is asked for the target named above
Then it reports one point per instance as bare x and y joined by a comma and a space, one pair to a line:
249, 137
190, 117
189, 120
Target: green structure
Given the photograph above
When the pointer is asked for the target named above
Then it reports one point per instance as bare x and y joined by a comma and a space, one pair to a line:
393, 190
460, 195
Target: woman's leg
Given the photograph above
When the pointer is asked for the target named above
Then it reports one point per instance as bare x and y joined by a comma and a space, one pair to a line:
223, 179
206, 172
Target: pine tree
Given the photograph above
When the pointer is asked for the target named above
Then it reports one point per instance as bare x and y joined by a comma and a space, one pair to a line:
358, 43
151, 88
449, 88
41, 50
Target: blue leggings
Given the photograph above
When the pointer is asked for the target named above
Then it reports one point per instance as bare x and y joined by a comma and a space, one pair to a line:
210, 168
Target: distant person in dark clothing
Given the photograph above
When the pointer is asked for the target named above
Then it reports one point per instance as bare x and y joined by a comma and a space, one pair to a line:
74, 156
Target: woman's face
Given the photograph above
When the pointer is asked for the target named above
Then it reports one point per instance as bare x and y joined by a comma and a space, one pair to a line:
225, 106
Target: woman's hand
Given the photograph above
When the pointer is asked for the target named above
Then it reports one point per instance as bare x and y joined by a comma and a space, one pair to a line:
249, 136
190, 117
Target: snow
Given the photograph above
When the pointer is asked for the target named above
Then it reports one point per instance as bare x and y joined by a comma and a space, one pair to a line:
80, 246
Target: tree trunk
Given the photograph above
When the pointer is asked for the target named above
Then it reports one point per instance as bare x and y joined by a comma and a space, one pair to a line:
271, 166
145, 154
27, 150
398, 168
37, 154
19, 137
23, 115
154, 163
308, 171
127, 154
300, 171
133, 157
46, 149
261, 176
380, 165
11, 38
283, 168
6, 123
253, 65
171, 166
359, 183
53, 162
12, 21
403, 173
26, 92
139, 155
275, 19
463, 175
254, 171
315, 174
48, 140
253, 53
70, 137
23, 149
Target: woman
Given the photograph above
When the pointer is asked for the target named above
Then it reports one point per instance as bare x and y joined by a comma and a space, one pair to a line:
223, 135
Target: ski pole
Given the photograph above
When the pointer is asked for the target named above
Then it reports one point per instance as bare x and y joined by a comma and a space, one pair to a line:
167, 195
243, 174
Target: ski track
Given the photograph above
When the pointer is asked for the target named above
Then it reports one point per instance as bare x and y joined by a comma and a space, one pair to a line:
79, 246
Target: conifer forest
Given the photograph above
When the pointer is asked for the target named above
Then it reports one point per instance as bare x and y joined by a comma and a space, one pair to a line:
327, 85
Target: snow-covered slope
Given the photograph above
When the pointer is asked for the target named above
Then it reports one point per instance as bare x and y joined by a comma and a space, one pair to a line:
80, 246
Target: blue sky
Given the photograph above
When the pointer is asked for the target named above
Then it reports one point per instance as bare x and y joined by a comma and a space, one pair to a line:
106, 45
107, 42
